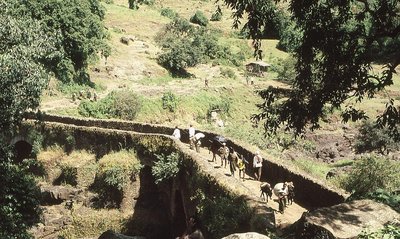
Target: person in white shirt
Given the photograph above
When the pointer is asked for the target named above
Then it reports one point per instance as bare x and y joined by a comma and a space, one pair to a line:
177, 133
257, 165
192, 131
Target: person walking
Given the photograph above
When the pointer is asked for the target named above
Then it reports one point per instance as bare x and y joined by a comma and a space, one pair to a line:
177, 133
233, 159
241, 166
192, 132
257, 165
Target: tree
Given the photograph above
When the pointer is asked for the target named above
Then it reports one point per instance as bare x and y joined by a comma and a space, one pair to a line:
78, 27
338, 43
22, 79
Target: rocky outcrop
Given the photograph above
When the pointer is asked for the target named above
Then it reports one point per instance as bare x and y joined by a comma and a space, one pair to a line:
57, 194
248, 235
113, 235
345, 220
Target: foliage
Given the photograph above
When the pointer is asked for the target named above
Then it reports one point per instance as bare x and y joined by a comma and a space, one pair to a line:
372, 137
334, 56
36, 139
168, 12
228, 72
24, 46
169, 101
126, 105
78, 28
166, 167
22, 77
286, 69
221, 214
371, 173
186, 45
390, 231
69, 175
217, 15
134, 4
114, 171
388, 198
199, 18
19, 201
118, 104
221, 105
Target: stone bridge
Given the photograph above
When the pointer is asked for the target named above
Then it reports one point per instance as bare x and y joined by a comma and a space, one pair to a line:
103, 136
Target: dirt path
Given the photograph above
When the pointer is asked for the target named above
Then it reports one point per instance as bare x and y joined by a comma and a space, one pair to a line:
292, 212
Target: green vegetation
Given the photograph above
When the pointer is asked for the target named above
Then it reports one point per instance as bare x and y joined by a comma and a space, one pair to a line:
199, 18
169, 101
114, 172
372, 137
390, 231
371, 173
166, 167
168, 12
77, 29
122, 104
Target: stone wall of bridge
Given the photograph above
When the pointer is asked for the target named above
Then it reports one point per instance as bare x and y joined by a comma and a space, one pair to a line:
309, 192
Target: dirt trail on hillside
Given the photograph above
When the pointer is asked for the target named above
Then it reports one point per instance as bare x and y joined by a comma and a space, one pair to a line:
292, 212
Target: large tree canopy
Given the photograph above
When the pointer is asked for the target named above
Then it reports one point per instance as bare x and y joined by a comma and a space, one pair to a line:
338, 41
78, 27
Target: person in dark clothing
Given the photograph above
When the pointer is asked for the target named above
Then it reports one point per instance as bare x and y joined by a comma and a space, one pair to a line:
193, 230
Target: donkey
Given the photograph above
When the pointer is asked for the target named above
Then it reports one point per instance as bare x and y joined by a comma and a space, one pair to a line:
266, 191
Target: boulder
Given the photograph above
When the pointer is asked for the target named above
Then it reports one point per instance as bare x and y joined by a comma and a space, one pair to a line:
247, 235
51, 195
346, 220
113, 235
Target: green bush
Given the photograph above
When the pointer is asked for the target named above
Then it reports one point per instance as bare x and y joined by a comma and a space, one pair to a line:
222, 105
69, 175
199, 18
228, 72
389, 231
371, 173
126, 105
36, 138
166, 167
118, 104
285, 69
168, 12
169, 101
114, 171
371, 137
217, 16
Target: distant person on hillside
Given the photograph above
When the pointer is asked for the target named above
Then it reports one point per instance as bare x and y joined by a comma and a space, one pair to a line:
257, 165
206, 82
192, 131
177, 133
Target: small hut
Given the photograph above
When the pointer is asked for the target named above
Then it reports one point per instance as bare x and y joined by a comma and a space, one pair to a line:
257, 68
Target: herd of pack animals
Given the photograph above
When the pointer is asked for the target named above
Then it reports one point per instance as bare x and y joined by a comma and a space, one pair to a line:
284, 191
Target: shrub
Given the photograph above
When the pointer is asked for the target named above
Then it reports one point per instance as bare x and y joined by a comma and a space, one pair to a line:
114, 171
223, 105
69, 175
168, 12
199, 18
126, 105
371, 137
216, 16
371, 173
286, 69
169, 101
228, 72
118, 104
166, 167
36, 138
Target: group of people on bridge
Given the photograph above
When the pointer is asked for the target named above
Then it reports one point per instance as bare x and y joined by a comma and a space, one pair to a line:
236, 162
